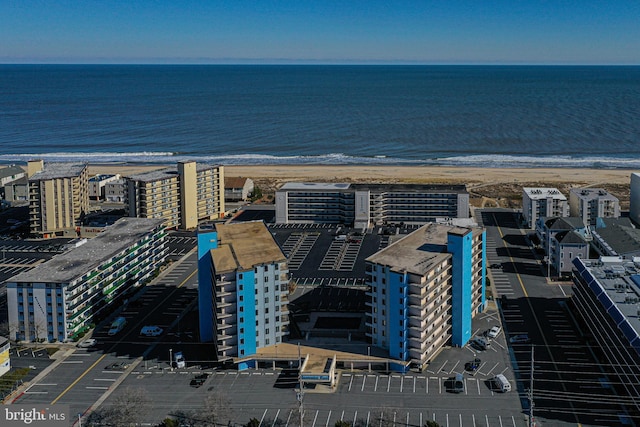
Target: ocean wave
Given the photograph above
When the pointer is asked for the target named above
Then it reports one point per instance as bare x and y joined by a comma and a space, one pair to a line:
507, 161
484, 160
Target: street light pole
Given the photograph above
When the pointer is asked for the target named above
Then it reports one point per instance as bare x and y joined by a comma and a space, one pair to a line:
171, 358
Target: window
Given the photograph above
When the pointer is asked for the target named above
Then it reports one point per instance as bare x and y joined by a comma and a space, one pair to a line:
241, 341
242, 320
266, 341
256, 292
266, 331
241, 309
266, 300
240, 287
257, 333
241, 298
242, 330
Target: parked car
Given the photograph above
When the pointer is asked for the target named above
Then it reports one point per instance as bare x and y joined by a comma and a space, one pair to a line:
520, 339
495, 265
494, 332
199, 380
117, 366
87, 343
458, 384
473, 365
480, 343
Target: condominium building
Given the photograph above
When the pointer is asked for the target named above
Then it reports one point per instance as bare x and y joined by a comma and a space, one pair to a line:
606, 301
243, 288
58, 197
62, 297
593, 203
542, 203
181, 196
425, 289
237, 189
5, 356
97, 185
363, 205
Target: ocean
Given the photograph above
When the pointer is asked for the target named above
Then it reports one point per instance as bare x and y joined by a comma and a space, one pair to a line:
489, 116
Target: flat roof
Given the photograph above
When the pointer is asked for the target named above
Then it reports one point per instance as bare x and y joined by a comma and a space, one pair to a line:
65, 267
165, 173
537, 193
344, 186
592, 193
247, 244
419, 251
58, 170
11, 170
620, 280
155, 175
316, 186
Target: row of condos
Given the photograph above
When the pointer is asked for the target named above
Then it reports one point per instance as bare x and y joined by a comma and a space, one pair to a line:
62, 297
364, 205
243, 288
606, 301
424, 291
181, 196
58, 196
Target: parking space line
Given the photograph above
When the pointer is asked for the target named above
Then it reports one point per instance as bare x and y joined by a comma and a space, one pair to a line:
328, 418
364, 380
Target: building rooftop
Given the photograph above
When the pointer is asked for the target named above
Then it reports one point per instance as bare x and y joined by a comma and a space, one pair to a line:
592, 193
419, 251
316, 186
166, 173
66, 267
97, 178
342, 186
568, 237
58, 170
564, 223
543, 193
244, 245
11, 170
234, 182
621, 237
617, 287
155, 175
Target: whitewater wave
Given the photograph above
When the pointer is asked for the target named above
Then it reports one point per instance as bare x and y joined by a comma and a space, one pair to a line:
484, 160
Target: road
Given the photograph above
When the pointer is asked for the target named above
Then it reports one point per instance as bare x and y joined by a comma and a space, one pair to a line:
569, 385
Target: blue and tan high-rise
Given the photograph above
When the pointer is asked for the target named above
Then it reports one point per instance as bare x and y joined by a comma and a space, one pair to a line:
425, 290
243, 288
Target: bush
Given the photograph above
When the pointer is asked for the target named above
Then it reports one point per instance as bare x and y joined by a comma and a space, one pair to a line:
341, 423
253, 422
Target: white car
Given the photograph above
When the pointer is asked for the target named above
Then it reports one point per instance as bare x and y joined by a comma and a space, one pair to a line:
87, 343
493, 332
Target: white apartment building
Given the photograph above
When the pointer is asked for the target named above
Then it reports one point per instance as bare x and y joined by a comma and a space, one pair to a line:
593, 203
542, 203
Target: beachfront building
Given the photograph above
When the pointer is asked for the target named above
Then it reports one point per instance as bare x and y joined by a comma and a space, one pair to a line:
243, 288
17, 191
97, 185
116, 191
593, 203
62, 297
424, 291
365, 205
542, 203
58, 197
237, 189
606, 300
11, 173
181, 196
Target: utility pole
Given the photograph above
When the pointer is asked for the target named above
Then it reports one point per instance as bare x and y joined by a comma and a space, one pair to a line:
300, 395
532, 423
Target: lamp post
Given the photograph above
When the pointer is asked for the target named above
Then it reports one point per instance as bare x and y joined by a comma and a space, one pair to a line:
79, 419
171, 358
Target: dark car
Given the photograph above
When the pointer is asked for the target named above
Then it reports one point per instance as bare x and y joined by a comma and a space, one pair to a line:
117, 366
473, 365
198, 380
496, 265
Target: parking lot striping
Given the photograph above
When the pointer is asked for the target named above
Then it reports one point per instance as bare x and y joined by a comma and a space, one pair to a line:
36, 392
389, 384
350, 383
363, 383
454, 366
80, 354
72, 361
376, 386
328, 418
95, 388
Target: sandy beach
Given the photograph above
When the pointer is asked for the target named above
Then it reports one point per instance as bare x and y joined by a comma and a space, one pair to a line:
404, 174
487, 186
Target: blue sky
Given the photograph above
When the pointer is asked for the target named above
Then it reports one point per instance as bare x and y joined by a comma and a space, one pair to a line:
322, 31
